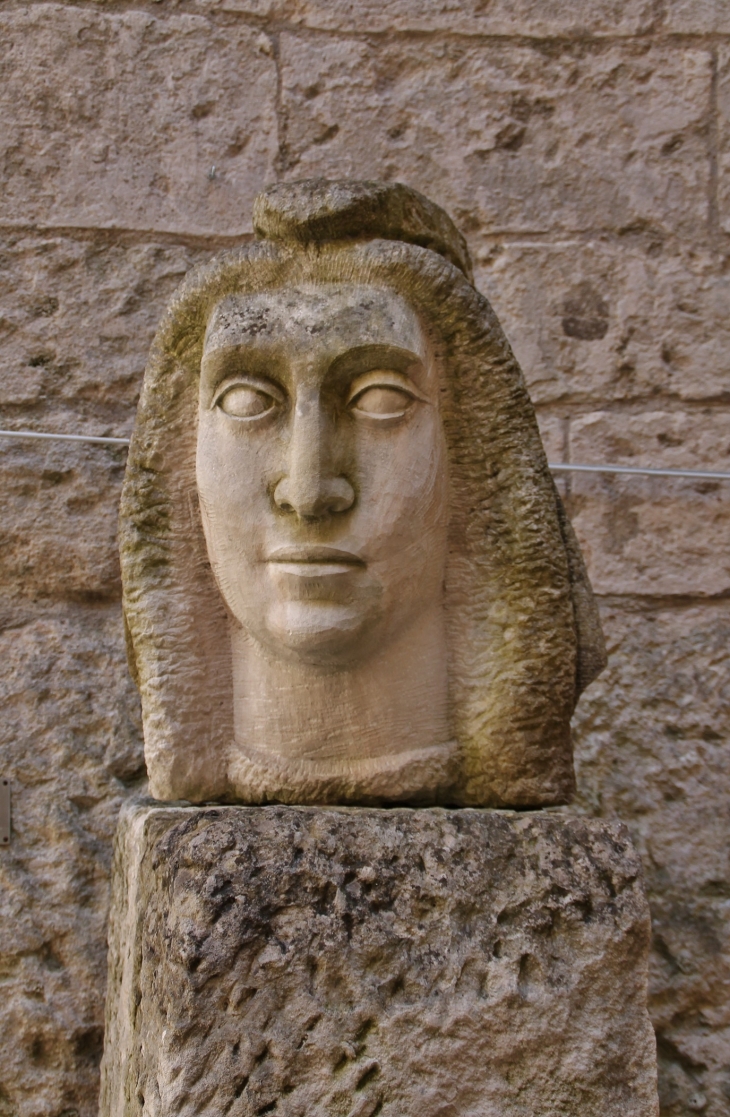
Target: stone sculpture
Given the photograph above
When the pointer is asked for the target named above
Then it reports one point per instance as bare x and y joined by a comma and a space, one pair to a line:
348, 577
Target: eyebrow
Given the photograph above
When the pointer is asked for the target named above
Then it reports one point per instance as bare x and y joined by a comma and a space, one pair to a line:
391, 356
219, 358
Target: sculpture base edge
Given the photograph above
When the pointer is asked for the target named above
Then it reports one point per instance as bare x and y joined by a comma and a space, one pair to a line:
363, 961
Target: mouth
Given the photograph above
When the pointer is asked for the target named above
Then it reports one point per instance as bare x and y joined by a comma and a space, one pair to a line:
314, 561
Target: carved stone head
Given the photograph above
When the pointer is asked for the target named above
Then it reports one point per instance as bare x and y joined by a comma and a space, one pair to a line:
347, 574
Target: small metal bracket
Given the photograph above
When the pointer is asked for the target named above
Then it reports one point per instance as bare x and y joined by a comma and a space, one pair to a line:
4, 812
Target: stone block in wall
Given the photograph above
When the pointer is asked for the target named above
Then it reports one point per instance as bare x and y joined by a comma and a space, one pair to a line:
554, 433
70, 738
651, 741
696, 17
361, 961
518, 137
653, 535
118, 120
58, 536
77, 317
723, 132
600, 320
470, 17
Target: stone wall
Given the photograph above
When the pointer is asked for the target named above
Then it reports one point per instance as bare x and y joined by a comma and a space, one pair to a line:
582, 147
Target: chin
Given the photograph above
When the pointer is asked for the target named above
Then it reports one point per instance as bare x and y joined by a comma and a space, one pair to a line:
321, 633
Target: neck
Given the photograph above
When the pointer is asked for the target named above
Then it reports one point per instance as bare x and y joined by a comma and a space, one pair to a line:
394, 702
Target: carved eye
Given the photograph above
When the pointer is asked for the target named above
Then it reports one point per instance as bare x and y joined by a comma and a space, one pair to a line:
244, 401
382, 401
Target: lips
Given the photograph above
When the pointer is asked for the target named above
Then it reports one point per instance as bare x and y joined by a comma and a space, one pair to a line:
313, 560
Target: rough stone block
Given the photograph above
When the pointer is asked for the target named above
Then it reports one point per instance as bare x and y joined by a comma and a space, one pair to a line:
59, 529
604, 320
361, 961
563, 139
71, 743
554, 433
653, 535
500, 17
76, 321
723, 137
117, 120
696, 17
651, 739
77, 317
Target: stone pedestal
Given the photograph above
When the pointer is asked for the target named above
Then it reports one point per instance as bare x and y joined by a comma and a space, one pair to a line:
353, 962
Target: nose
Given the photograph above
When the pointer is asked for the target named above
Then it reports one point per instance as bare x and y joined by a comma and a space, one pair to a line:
311, 488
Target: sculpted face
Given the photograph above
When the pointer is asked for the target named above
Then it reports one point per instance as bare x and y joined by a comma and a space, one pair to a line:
322, 469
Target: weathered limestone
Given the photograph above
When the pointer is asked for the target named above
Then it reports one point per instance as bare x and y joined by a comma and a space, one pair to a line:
655, 537
651, 747
71, 743
470, 17
723, 19
362, 961
347, 575
662, 765
77, 319
658, 317
210, 91
562, 140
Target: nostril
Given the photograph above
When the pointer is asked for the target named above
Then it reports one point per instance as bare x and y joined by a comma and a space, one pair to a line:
328, 496
341, 495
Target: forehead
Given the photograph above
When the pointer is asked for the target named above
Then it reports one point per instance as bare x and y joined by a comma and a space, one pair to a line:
325, 316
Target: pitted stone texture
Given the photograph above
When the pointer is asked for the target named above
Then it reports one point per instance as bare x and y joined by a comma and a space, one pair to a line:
336, 961
723, 103
76, 322
563, 139
598, 321
698, 17
650, 535
499, 17
133, 121
651, 747
71, 744
59, 529
77, 318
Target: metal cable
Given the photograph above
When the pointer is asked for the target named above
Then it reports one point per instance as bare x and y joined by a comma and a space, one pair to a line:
65, 437
556, 467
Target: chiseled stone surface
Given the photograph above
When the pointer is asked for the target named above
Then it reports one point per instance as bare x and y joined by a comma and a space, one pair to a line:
643, 534
361, 961
119, 119
699, 17
723, 154
562, 139
665, 348
608, 321
76, 323
59, 530
651, 748
77, 317
466, 17
71, 744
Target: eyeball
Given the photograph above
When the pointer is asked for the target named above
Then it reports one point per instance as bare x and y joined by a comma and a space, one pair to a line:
243, 401
382, 402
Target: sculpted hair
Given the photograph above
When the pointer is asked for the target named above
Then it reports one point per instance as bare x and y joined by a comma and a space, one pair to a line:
524, 637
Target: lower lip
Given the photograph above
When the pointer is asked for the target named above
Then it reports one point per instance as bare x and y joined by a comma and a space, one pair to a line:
315, 569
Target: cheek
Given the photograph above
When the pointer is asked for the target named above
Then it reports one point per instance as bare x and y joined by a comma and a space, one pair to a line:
231, 486
404, 480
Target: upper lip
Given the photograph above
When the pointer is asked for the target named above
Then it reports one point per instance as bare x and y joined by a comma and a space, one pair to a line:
313, 553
